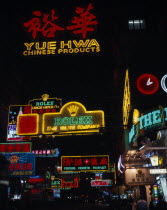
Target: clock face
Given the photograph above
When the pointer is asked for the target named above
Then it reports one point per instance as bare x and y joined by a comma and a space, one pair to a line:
147, 84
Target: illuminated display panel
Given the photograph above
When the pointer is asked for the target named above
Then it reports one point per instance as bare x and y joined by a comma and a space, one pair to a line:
148, 121
14, 111
21, 164
56, 183
15, 147
27, 124
46, 153
82, 25
101, 183
69, 185
147, 84
36, 179
126, 100
73, 118
85, 163
46, 104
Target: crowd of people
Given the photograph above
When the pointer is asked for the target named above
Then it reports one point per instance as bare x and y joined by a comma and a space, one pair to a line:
141, 204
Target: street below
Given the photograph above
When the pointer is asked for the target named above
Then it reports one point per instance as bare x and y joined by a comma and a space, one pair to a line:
59, 205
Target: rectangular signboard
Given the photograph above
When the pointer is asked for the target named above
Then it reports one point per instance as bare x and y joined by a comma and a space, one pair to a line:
41, 106
101, 183
15, 147
85, 163
73, 118
14, 111
21, 164
158, 171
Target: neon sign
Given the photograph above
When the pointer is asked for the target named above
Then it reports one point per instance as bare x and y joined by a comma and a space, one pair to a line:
101, 183
61, 47
27, 124
45, 104
126, 100
154, 118
149, 84
85, 163
47, 25
46, 153
15, 147
56, 183
14, 111
163, 85
73, 117
21, 164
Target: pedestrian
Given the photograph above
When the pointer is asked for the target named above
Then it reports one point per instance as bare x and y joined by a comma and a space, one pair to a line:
125, 205
161, 205
134, 203
151, 205
142, 204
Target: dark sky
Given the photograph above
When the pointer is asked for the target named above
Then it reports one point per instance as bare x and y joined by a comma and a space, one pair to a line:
84, 77
68, 76
87, 78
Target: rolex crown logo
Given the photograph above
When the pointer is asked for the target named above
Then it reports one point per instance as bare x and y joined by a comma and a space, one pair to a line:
73, 110
14, 159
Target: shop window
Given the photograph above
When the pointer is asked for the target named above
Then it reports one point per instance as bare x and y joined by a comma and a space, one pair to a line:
136, 24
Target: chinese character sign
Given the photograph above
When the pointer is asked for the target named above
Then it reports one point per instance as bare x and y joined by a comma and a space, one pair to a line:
85, 163
21, 164
99, 183
49, 27
84, 21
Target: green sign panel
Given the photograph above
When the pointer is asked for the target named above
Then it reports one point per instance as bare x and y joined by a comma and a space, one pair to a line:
73, 118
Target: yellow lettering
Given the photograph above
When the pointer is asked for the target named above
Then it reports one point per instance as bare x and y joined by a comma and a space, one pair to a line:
93, 42
30, 52
60, 51
81, 43
51, 45
63, 128
39, 52
68, 44
43, 52
87, 50
29, 45
25, 53
42, 47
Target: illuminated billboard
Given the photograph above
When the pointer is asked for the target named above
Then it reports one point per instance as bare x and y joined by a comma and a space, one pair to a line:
21, 164
85, 163
73, 118
27, 124
14, 111
80, 30
15, 147
45, 104
101, 183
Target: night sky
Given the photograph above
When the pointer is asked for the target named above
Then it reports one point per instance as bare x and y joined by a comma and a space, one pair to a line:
88, 78
69, 76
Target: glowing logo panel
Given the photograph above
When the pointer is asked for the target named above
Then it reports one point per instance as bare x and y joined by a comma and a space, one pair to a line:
147, 84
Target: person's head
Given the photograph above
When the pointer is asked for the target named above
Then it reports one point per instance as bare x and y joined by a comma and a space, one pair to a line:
160, 197
142, 197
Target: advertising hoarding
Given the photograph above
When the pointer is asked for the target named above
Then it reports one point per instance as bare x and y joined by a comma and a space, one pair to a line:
21, 164
85, 163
